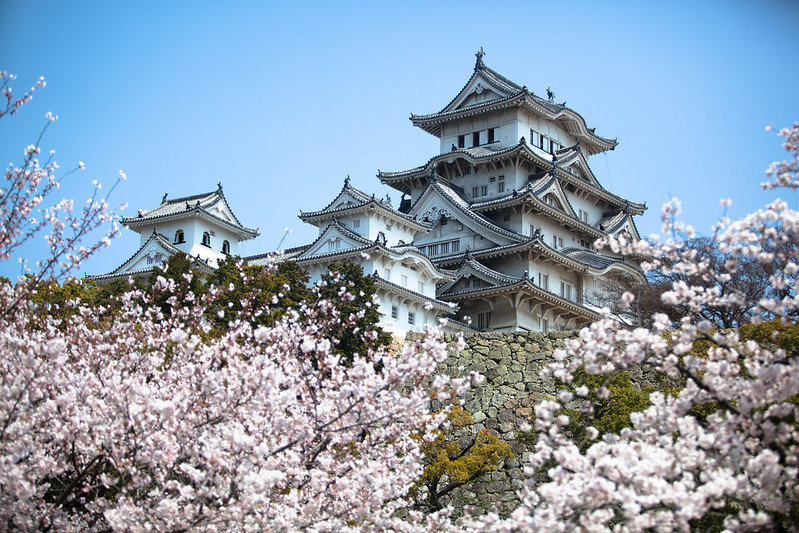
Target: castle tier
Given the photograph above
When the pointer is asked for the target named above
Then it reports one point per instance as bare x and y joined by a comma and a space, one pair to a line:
515, 209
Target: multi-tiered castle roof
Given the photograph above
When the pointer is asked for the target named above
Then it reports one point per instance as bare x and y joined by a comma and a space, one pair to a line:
515, 208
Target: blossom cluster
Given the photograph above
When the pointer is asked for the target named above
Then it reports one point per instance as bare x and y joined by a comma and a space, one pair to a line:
719, 449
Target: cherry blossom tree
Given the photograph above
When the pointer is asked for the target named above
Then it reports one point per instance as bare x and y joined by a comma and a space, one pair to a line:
27, 209
147, 422
723, 451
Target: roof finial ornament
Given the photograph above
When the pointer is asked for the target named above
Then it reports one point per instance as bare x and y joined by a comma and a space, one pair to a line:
479, 63
164, 198
432, 175
218, 185
550, 95
347, 180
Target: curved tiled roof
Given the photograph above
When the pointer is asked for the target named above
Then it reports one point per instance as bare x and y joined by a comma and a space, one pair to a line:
532, 289
188, 205
482, 154
578, 259
390, 285
511, 94
470, 264
162, 241
463, 207
367, 203
367, 247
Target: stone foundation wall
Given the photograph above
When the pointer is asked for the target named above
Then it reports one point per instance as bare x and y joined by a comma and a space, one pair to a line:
512, 364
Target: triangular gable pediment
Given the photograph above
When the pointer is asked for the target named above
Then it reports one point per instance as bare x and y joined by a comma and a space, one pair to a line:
472, 275
479, 95
220, 209
344, 200
152, 254
628, 227
437, 204
335, 238
552, 194
481, 88
580, 167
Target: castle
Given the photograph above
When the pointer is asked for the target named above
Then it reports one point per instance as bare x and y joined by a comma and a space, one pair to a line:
495, 232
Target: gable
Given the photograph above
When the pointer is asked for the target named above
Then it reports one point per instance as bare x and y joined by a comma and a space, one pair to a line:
434, 206
334, 239
629, 229
553, 195
152, 254
222, 211
473, 275
346, 199
479, 95
480, 89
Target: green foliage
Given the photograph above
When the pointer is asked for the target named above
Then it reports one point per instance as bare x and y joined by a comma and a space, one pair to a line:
268, 295
362, 333
448, 465
187, 282
613, 414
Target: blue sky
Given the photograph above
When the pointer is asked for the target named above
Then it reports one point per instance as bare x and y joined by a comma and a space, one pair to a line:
281, 101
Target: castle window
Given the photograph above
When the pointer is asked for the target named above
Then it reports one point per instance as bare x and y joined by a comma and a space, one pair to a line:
179, 237
475, 190
467, 171
420, 286
476, 138
483, 320
226, 247
404, 280
387, 275
444, 248
491, 134
455, 246
461, 141
356, 223
544, 325
206, 239
583, 215
565, 290
483, 190
394, 311
501, 187
506, 218
543, 281
492, 179
411, 318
